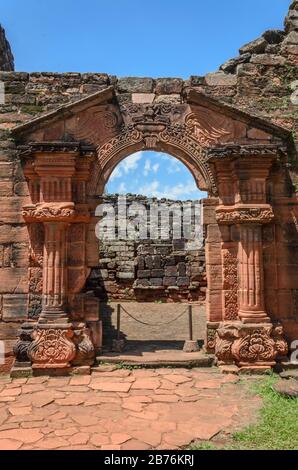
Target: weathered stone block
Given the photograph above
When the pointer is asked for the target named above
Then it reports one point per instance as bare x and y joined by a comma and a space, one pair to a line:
169, 99
156, 259
256, 47
6, 188
155, 281
183, 281
127, 275
142, 283
103, 274
213, 233
171, 271
135, 85
14, 307
6, 170
149, 262
157, 272
169, 281
196, 80
19, 257
181, 267
230, 65
167, 86
291, 38
274, 36
170, 261
14, 280
268, 59
143, 273
143, 98
221, 79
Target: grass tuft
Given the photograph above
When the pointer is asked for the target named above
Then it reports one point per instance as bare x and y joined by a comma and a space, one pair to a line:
277, 426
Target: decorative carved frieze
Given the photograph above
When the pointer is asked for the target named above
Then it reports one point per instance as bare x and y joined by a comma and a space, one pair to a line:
97, 124
26, 151
55, 213
250, 215
231, 285
247, 345
34, 306
236, 151
156, 136
204, 129
51, 348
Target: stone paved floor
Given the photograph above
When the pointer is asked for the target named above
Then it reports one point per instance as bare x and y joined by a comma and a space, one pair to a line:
122, 409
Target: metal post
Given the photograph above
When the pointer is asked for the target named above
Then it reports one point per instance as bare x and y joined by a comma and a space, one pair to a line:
190, 345
118, 320
190, 322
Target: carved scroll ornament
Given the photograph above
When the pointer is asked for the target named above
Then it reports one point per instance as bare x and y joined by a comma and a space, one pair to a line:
55, 212
245, 344
51, 348
244, 215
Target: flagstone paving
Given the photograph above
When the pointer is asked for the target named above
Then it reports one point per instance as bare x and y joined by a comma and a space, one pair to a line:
123, 409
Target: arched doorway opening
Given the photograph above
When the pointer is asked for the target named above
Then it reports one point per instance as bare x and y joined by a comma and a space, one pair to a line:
151, 267
68, 156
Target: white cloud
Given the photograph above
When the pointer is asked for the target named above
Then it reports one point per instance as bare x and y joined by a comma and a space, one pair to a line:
122, 188
180, 191
147, 167
155, 168
131, 163
174, 166
117, 173
149, 189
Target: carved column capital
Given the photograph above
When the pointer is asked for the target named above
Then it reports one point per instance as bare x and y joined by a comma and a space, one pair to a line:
56, 212
244, 215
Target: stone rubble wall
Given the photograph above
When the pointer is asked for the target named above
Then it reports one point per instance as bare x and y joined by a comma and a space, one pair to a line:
6, 57
261, 80
150, 270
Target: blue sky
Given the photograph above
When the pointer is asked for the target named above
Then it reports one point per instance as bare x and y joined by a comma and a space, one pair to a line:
157, 38
153, 174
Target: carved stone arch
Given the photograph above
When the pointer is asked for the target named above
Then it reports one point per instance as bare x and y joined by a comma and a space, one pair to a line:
68, 156
173, 140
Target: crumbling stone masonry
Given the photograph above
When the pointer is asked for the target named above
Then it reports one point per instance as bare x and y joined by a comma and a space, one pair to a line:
6, 57
61, 136
150, 270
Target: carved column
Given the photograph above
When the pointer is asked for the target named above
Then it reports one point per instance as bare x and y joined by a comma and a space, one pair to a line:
52, 172
250, 340
54, 273
251, 285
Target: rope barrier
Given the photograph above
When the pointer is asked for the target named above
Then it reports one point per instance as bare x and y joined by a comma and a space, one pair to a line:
154, 324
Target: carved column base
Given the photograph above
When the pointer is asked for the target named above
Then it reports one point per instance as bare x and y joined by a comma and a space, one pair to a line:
52, 346
254, 345
254, 317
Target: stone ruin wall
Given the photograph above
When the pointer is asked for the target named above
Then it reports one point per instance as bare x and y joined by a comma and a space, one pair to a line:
261, 80
164, 270
6, 57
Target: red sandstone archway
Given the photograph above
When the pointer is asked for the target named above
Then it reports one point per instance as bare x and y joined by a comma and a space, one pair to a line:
68, 156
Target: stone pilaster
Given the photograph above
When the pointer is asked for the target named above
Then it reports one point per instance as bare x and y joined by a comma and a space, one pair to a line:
57, 186
251, 286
